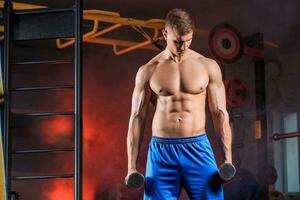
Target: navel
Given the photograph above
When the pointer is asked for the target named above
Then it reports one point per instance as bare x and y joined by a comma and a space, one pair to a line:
179, 120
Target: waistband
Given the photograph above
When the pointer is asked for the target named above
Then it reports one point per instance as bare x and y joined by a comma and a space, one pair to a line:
179, 140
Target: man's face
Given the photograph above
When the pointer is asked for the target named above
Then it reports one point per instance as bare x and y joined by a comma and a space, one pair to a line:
177, 44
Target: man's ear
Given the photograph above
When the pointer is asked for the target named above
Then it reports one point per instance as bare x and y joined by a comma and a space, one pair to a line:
164, 32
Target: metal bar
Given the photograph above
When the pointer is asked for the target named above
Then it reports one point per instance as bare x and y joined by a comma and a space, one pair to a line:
78, 100
29, 151
22, 6
6, 59
52, 62
280, 136
71, 41
120, 43
18, 178
42, 11
100, 16
89, 35
103, 31
44, 113
260, 103
42, 88
131, 48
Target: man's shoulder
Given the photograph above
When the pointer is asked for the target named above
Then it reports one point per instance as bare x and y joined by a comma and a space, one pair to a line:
195, 55
146, 70
205, 61
150, 66
155, 60
210, 65
201, 58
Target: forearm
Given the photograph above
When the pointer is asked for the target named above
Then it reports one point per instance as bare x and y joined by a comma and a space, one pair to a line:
134, 139
222, 127
226, 139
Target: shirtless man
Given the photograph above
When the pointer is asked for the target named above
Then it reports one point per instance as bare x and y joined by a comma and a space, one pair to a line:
178, 80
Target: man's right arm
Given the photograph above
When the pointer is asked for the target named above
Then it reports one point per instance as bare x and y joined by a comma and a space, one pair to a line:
139, 109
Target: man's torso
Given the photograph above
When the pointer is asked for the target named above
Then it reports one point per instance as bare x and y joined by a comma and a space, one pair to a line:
180, 93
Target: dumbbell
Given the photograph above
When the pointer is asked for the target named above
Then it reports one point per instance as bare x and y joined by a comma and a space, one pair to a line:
226, 172
135, 180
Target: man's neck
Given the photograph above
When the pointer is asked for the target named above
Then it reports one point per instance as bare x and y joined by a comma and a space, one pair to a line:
174, 57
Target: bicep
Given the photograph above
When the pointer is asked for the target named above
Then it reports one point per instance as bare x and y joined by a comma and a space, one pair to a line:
216, 90
140, 101
216, 97
141, 94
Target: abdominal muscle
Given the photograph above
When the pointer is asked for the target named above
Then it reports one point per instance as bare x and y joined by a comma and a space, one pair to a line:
179, 116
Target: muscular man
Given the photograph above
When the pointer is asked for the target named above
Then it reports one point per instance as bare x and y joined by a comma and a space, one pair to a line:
178, 80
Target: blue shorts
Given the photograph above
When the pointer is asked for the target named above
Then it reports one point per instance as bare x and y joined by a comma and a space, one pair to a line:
182, 162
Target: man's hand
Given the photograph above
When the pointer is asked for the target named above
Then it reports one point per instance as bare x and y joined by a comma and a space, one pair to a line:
228, 161
134, 179
226, 172
130, 171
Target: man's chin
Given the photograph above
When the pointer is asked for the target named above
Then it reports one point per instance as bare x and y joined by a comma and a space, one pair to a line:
180, 53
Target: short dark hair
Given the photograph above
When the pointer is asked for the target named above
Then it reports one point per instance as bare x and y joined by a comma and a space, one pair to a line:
180, 20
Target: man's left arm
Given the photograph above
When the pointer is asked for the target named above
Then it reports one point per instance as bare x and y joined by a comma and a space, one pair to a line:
217, 106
